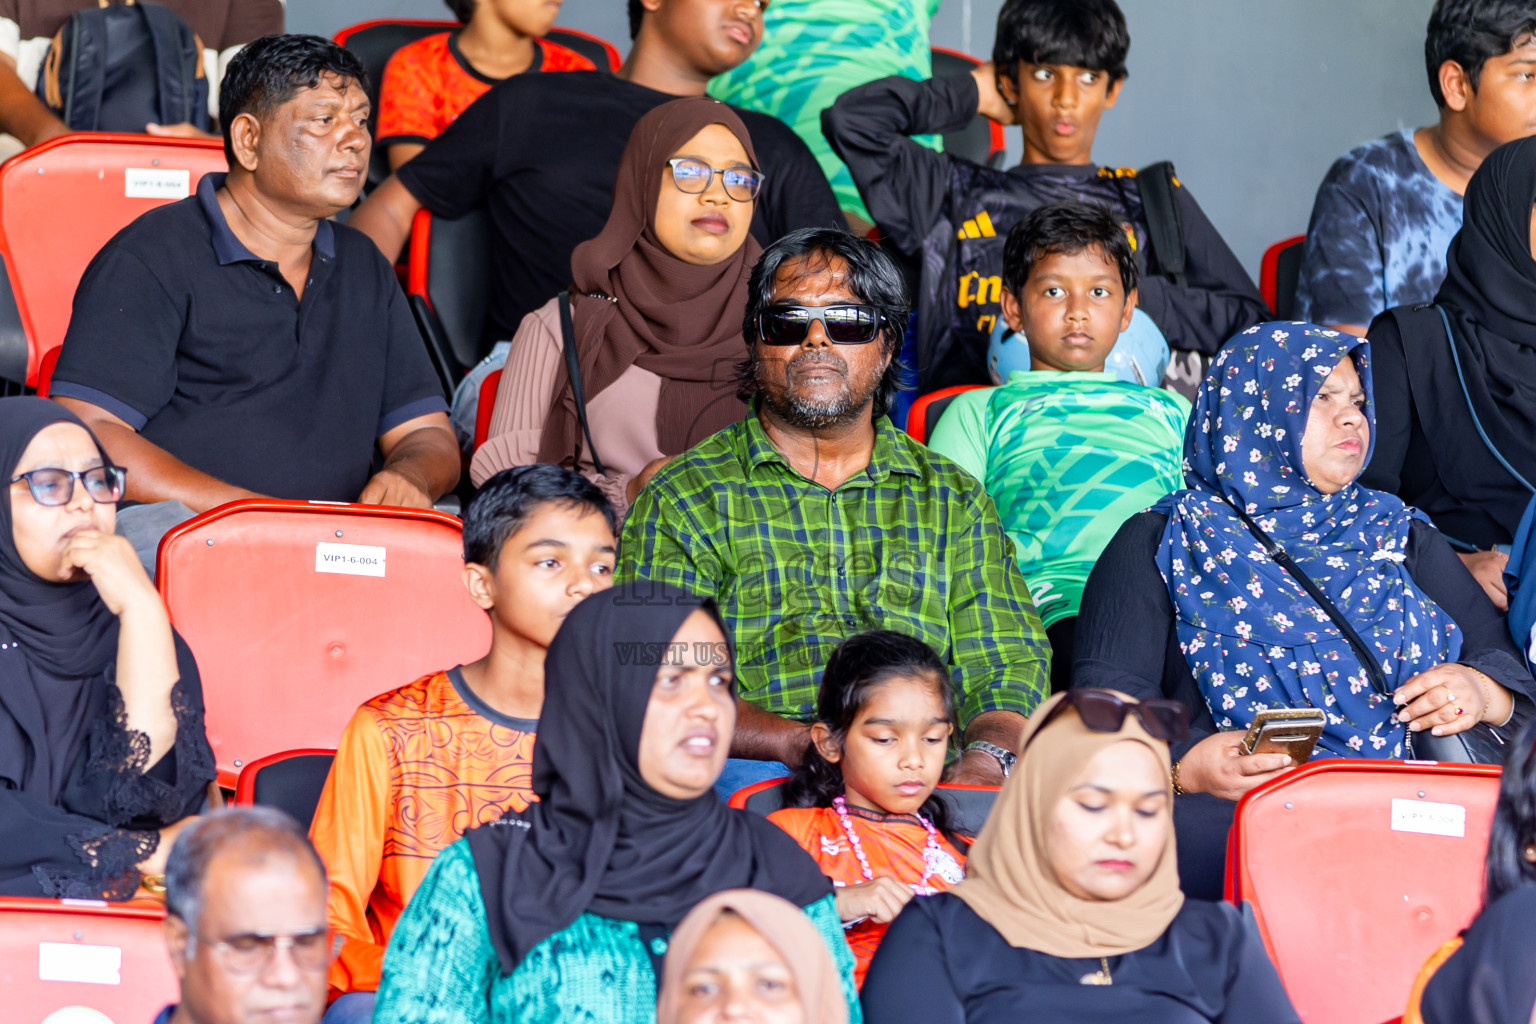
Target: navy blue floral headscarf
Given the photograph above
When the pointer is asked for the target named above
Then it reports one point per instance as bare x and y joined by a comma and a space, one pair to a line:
1253, 637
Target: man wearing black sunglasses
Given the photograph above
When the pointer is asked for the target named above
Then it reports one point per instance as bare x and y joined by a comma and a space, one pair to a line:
815, 518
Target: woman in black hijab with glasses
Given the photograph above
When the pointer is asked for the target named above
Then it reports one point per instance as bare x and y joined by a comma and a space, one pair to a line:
563, 911
102, 752
1456, 380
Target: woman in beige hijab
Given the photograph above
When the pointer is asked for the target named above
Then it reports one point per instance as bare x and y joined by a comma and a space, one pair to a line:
1071, 910
752, 956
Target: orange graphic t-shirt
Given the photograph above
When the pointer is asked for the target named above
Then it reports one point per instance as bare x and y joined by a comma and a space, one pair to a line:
429, 83
894, 844
415, 769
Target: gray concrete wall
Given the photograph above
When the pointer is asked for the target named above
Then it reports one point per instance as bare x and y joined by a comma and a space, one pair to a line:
1251, 99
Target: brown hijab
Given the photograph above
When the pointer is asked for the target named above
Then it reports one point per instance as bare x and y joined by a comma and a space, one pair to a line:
1009, 880
634, 303
784, 927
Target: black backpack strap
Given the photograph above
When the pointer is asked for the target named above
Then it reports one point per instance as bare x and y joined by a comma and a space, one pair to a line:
1165, 228
573, 370
174, 74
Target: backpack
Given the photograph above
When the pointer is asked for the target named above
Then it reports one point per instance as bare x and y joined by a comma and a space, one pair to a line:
960, 296
117, 68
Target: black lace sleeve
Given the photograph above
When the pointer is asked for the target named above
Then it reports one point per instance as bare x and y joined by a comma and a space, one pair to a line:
113, 804
112, 781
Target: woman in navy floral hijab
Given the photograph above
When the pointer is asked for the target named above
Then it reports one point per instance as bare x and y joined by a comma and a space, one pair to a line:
1253, 637
1186, 604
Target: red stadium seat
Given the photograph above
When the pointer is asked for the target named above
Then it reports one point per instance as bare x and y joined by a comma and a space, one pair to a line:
1357, 871
60, 202
970, 804
45, 372
298, 612
599, 51
486, 407
982, 141
109, 958
290, 781
1278, 273
925, 412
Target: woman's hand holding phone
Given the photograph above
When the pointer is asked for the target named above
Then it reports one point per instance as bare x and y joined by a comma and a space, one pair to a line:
1217, 765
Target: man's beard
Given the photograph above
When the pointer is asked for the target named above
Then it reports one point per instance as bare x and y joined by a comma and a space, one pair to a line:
790, 402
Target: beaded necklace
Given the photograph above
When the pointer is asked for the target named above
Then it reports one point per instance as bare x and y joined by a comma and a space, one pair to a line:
936, 861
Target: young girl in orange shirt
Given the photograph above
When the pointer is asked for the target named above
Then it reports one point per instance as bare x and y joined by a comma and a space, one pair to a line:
862, 802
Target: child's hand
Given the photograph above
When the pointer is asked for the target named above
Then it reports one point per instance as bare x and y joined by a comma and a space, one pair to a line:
880, 899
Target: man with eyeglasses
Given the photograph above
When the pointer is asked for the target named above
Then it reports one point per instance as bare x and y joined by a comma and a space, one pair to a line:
815, 518
245, 921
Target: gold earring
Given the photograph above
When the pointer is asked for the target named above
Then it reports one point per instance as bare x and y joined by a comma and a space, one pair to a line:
1530, 852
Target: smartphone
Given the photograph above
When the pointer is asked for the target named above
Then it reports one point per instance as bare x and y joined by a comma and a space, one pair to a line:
1292, 731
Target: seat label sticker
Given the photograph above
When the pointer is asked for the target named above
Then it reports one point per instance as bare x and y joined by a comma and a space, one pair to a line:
155, 183
1428, 817
349, 559
73, 961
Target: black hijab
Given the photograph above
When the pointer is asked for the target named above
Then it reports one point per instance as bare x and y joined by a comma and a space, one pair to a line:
1491, 979
56, 639
1489, 295
599, 838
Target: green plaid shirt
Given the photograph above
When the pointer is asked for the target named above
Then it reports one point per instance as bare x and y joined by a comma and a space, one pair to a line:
911, 544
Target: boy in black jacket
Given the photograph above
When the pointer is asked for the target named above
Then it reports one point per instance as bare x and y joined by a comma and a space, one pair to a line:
1057, 66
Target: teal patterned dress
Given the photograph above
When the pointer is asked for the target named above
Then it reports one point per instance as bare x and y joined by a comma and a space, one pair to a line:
813, 51
442, 969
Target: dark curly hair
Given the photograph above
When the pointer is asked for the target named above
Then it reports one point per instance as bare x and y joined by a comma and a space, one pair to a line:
872, 277
270, 71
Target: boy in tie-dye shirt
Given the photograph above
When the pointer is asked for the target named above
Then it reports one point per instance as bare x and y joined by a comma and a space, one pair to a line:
1387, 210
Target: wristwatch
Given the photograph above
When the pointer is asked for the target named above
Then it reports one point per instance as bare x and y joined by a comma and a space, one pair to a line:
1006, 758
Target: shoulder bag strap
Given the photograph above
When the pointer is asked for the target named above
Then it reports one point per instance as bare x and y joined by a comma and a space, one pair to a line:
1165, 228
1283, 560
1461, 378
573, 370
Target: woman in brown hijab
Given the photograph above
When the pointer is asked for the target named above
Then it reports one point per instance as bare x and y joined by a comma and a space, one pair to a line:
745, 954
1071, 909
656, 305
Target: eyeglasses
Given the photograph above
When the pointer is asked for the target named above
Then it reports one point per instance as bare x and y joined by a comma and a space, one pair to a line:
53, 487
693, 176
247, 954
1103, 711
844, 324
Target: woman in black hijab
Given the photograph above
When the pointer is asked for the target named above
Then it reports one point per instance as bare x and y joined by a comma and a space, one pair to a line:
562, 912
102, 752
1456, 415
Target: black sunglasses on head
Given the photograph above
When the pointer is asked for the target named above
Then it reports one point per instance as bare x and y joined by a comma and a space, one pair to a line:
1103, 711
845, 323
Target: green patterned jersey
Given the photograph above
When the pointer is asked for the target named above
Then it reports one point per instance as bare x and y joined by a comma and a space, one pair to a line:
1067, 458
813, 51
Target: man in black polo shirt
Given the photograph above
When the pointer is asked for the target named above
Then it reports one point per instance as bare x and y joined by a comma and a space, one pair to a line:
541, 151
238, 343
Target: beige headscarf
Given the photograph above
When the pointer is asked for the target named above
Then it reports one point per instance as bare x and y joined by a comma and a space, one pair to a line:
784, 927
1009, 881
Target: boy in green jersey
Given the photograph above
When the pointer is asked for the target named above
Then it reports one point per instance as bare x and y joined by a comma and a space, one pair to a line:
1066, 451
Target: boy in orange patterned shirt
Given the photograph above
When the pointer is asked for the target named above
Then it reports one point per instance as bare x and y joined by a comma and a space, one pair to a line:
419, 765
429, 83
